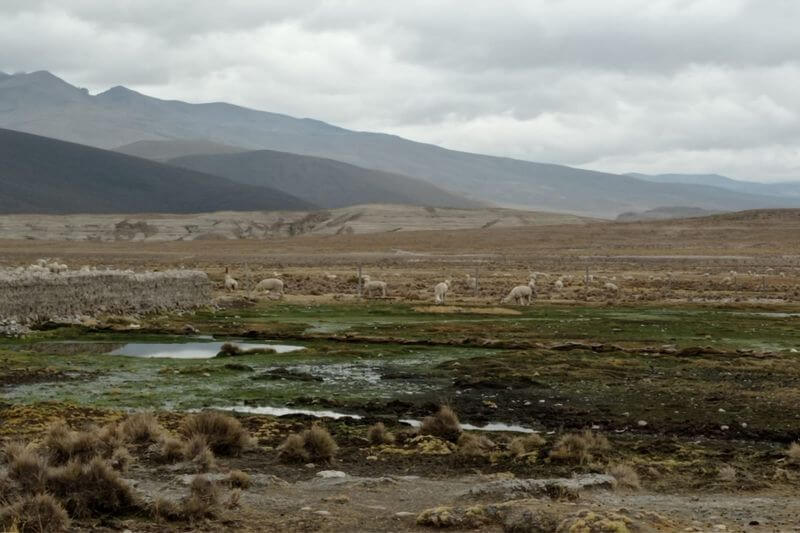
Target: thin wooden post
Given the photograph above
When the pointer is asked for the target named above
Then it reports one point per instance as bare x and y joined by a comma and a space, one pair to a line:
477, 282
360, 281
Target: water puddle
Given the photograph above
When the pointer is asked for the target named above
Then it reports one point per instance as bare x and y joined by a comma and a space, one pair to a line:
283, 411
491, 426
190, 350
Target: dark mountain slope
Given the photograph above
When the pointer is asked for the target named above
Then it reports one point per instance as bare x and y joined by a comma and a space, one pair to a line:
41, 175
323, 182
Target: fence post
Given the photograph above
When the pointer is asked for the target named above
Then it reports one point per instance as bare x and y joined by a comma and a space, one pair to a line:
360, 295
586, 284
477, 281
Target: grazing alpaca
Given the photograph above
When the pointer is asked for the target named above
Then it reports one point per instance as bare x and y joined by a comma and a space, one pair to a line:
521, 294
370, 287
440, 291
271, 284
230, 284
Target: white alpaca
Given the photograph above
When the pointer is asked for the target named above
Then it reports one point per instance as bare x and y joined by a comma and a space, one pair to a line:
610, 287
440, 291
558, 285
230, 284
271, 284
370, 287
472, 283
521, 294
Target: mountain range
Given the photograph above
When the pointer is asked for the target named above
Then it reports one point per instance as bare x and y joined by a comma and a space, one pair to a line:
43, 104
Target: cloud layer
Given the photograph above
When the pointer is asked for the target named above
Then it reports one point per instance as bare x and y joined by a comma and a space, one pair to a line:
619, 85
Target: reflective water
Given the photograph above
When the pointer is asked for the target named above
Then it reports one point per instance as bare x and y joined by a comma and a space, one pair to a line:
190, 350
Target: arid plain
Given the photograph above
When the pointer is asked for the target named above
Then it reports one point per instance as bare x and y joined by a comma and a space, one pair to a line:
652, 384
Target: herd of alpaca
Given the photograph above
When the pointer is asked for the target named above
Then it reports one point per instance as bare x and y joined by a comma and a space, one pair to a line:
519, 295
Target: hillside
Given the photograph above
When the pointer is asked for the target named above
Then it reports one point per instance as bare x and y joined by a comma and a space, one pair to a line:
664, 213
41, 175
789, 188
44, 104
166, 150
323, 182
354, 220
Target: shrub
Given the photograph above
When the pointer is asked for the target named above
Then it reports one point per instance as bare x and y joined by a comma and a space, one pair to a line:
527, 444
625, 476
319, 444
203, 499
205, 460
223, 433
377, 435
293, 449
239, 479
444, 424
40, 513
90, 489
578, 447
141, 428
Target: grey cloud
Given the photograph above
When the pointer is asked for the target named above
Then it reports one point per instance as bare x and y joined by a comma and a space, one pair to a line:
668, 85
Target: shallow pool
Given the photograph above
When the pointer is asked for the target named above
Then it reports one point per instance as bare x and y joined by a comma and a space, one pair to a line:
190, 350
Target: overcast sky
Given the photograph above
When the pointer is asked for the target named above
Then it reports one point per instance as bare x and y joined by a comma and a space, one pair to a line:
614, 85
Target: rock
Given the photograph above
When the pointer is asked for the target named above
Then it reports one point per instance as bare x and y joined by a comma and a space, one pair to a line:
457, 517
403, 514
190, 329
531, 521
322, 513
642, 423
557, 488
328, 474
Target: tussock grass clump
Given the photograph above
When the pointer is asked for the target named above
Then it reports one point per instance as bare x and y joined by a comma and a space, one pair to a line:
223, 433
727, 473
793, 453
26, 467
203, 499
523, 445
444, 424
377, 435
165, 509
197, 451
121, 459
319, 444
313, 444
239, 479
63, 444
172, 450
293, 449
471, 445
39, 513
625, 476
579, 447
141, 428
90, 489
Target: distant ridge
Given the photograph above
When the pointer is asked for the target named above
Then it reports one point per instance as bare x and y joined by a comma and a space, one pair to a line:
41, 175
